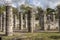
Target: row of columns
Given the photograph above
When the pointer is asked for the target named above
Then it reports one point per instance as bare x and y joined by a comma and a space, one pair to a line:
29, 21
8, 23
49, 24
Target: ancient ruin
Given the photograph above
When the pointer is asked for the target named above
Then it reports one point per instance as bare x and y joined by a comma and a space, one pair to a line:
10, 23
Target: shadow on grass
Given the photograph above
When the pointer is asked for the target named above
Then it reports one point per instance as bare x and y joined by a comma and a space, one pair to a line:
2, 34
55, 37
27, 39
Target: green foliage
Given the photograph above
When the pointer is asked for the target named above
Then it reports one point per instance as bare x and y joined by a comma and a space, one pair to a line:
50, 10
37, 16
25, 9
15, 10
40, 9
2, 8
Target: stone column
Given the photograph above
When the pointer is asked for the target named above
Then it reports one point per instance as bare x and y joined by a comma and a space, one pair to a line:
26, 21
21, 21
29, 20
9, 20
16, 23
3, 21
53, 17
32, 21
45, 22
41, 20
14, 17
13, 21
0, 22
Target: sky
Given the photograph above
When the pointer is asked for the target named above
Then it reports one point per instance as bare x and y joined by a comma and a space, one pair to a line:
41, 3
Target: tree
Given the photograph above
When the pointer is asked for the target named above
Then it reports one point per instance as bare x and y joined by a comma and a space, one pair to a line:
2, 9
15, 12
50, 12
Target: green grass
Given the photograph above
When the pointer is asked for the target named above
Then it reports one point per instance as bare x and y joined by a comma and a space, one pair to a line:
45, 36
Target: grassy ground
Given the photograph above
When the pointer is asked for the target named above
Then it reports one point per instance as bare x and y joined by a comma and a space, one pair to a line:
44, 36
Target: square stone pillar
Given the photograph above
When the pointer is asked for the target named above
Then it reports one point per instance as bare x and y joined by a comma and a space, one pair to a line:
19, 20
3, 21
53, 17
32, 21
15, 22
26, 21
41, 20
29, 20
9, 21
45, 22
22, 21
0, 22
